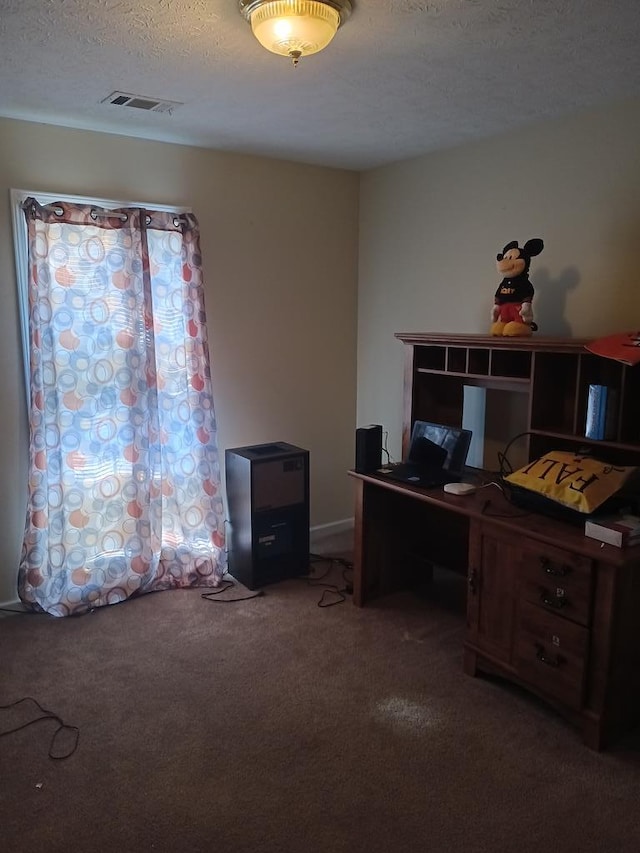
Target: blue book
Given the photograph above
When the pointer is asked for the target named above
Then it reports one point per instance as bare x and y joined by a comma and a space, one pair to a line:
596, 412
602, 405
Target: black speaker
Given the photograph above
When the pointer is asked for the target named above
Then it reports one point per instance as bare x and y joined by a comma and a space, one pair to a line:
268, 502
368, 448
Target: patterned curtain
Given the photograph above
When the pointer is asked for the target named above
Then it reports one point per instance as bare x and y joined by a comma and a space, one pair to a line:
124, 479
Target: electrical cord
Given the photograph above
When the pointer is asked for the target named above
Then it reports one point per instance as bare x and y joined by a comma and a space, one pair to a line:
505, 466
384, 447
328, 589
46, 715
505, 469
331, 593
211, 595
504, 490
487, 504
501, 483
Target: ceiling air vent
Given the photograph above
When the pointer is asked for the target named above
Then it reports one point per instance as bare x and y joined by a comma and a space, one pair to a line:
152, 105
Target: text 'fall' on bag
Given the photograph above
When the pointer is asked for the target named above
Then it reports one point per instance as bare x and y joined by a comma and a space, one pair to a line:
581, 483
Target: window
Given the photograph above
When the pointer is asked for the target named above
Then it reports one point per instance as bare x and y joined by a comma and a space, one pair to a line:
124, 493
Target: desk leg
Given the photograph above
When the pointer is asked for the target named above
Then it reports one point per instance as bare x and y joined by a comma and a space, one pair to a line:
592, 733
372, 543
470, 663
358, 547
375, 563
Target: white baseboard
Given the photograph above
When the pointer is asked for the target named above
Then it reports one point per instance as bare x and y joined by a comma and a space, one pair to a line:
323, 531
15, 604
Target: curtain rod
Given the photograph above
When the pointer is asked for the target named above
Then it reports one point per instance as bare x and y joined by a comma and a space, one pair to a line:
95, 212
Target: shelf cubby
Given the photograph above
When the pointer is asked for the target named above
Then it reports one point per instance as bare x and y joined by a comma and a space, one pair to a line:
479, 360
554, 406
515, 364
457, 360
553, 373
431, 358
630, 406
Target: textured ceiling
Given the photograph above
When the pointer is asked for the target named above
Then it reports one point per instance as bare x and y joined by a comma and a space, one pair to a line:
402, 77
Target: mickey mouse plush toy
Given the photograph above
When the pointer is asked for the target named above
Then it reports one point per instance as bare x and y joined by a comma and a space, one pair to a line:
512, 314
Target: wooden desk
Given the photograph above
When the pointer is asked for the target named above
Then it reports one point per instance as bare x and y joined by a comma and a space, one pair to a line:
547, 607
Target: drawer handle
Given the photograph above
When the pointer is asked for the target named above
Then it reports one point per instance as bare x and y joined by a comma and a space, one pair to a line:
553, 600
553, 662
556, 572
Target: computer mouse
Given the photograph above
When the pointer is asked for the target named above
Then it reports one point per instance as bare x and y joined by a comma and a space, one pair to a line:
459, 488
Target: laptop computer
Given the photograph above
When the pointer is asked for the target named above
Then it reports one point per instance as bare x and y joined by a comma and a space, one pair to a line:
437, 455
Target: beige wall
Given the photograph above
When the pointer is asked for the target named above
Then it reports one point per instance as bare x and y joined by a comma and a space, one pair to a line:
430, 229
279, 244
282, 319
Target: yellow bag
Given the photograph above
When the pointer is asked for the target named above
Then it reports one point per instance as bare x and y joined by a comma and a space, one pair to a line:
579, 482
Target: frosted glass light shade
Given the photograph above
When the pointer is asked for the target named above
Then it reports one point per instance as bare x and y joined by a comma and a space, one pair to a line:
289, 27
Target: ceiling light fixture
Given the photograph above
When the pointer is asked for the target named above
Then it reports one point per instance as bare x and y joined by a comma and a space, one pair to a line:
295, 28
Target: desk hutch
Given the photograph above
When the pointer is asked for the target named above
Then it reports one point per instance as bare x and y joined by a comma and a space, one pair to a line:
547, 608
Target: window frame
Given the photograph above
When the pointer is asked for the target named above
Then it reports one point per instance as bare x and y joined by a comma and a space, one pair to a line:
21, 248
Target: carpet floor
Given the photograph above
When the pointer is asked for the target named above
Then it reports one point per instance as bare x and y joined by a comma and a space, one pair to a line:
275, 725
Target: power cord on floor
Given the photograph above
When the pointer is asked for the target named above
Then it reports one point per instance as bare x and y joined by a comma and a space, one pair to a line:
328, 589
46, 715
211, 595
331, 593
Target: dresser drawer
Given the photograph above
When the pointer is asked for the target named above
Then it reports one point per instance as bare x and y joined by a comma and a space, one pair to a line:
558, 581
551, 654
